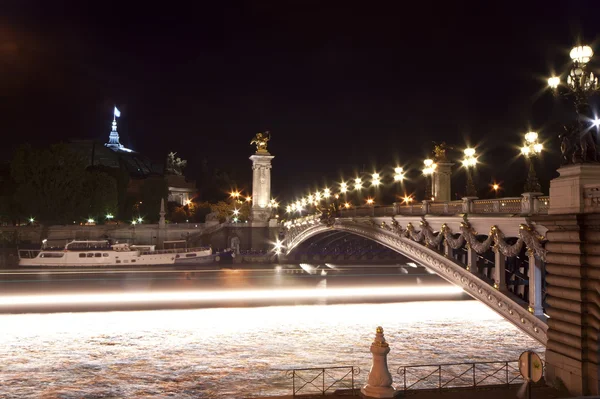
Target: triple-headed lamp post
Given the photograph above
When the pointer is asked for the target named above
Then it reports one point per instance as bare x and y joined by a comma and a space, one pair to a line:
530, 150
577, 142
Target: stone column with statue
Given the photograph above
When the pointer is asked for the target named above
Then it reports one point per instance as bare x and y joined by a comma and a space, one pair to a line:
261, 181
442, 188
379, 383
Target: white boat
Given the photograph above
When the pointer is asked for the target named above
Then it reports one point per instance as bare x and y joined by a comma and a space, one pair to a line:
185, 255
96, 254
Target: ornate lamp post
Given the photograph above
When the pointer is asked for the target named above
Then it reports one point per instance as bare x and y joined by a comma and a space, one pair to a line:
577, 142
428, 172
530, 150
469, 162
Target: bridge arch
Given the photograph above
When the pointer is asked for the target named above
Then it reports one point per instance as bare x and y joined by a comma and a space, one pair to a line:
406, 242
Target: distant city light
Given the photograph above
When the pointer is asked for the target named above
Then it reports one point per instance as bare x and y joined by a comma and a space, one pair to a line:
109, 216
370, 201
248, 199
139, 220
31, 220
90, 220
236, 212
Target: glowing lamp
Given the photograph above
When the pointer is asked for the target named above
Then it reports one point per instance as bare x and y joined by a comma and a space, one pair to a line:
469, 152
581, 54
553, 82
90, 220
343, 187
531, 137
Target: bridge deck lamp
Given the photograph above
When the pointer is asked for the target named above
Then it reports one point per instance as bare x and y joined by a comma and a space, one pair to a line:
428, 171
109, 216
139, 220
317, 196
469, 161
376, 181
236, 211
347, 205
90, 220
343, 187
248, 199
370, 201
531, 149
398, 174
357, 183
407, 199
326, 192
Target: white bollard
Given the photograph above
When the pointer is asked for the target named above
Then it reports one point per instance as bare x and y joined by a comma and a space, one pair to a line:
379, 384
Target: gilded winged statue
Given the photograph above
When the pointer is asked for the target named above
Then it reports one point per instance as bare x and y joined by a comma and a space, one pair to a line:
260, 140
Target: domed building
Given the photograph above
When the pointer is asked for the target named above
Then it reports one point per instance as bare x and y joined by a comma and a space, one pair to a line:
136, 167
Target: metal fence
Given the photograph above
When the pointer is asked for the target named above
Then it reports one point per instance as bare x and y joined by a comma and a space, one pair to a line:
458, 375
322, 380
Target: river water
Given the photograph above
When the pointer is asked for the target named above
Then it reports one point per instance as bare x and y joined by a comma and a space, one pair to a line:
235, 352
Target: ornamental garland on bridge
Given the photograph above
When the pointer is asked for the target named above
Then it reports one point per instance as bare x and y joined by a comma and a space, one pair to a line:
527, 236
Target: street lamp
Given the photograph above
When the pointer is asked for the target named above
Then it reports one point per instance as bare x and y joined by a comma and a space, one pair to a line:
343, 187
357, 183
469, 162
398, 174
530, 150
376, 181
428, 173
577, 142
496, 188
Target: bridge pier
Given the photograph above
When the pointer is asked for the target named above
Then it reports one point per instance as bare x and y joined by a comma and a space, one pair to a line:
573, 296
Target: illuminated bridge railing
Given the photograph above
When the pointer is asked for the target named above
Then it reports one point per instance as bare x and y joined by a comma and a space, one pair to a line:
458, 375
514, 206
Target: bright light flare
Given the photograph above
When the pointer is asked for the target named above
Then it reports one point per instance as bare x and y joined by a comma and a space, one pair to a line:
596, 122
224, 295
343, 187
398, 174
407, 199
236, 211
357, 183
581, 54
496, 186
370, 201
248, 199
109, 216
553, 82
531, 137
376, 179
90, 220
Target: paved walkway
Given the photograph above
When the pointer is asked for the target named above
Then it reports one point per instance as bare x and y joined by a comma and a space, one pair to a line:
538, 392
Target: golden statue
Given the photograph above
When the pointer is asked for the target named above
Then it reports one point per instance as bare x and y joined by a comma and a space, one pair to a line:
261, 141
439, 152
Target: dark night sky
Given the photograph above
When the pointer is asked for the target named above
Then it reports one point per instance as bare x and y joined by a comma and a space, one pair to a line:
339, 86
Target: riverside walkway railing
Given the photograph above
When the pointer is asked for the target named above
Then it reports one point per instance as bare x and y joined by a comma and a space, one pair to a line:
322, 380
458, 375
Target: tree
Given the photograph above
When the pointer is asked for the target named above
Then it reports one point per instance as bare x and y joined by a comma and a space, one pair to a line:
50, 183
101, 192
152, 191
226, 210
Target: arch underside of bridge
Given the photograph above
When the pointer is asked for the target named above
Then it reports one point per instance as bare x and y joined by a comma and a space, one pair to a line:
452, 269
342, 245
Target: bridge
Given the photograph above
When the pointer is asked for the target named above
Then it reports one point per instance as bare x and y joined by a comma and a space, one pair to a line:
522, 257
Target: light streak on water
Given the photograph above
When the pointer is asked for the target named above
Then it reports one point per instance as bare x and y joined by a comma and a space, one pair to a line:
229, 295
235, 352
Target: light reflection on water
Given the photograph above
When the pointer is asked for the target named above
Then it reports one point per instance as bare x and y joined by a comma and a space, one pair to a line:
234, 352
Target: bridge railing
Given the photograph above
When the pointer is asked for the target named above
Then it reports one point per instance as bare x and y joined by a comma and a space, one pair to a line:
525, 205
322, 380
455, 375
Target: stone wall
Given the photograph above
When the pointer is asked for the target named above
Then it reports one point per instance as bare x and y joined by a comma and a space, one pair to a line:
573, 298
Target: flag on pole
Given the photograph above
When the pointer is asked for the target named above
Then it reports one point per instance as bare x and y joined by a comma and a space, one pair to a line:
117, 113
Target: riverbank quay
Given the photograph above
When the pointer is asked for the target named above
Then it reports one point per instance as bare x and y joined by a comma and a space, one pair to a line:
539, 391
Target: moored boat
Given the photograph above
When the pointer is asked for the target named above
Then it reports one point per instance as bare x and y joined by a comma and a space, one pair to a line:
95, 254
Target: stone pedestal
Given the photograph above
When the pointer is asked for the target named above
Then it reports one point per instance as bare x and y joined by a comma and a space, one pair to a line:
442, 190
567, 191
573, 298
261, 188
379, 384
529, 203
